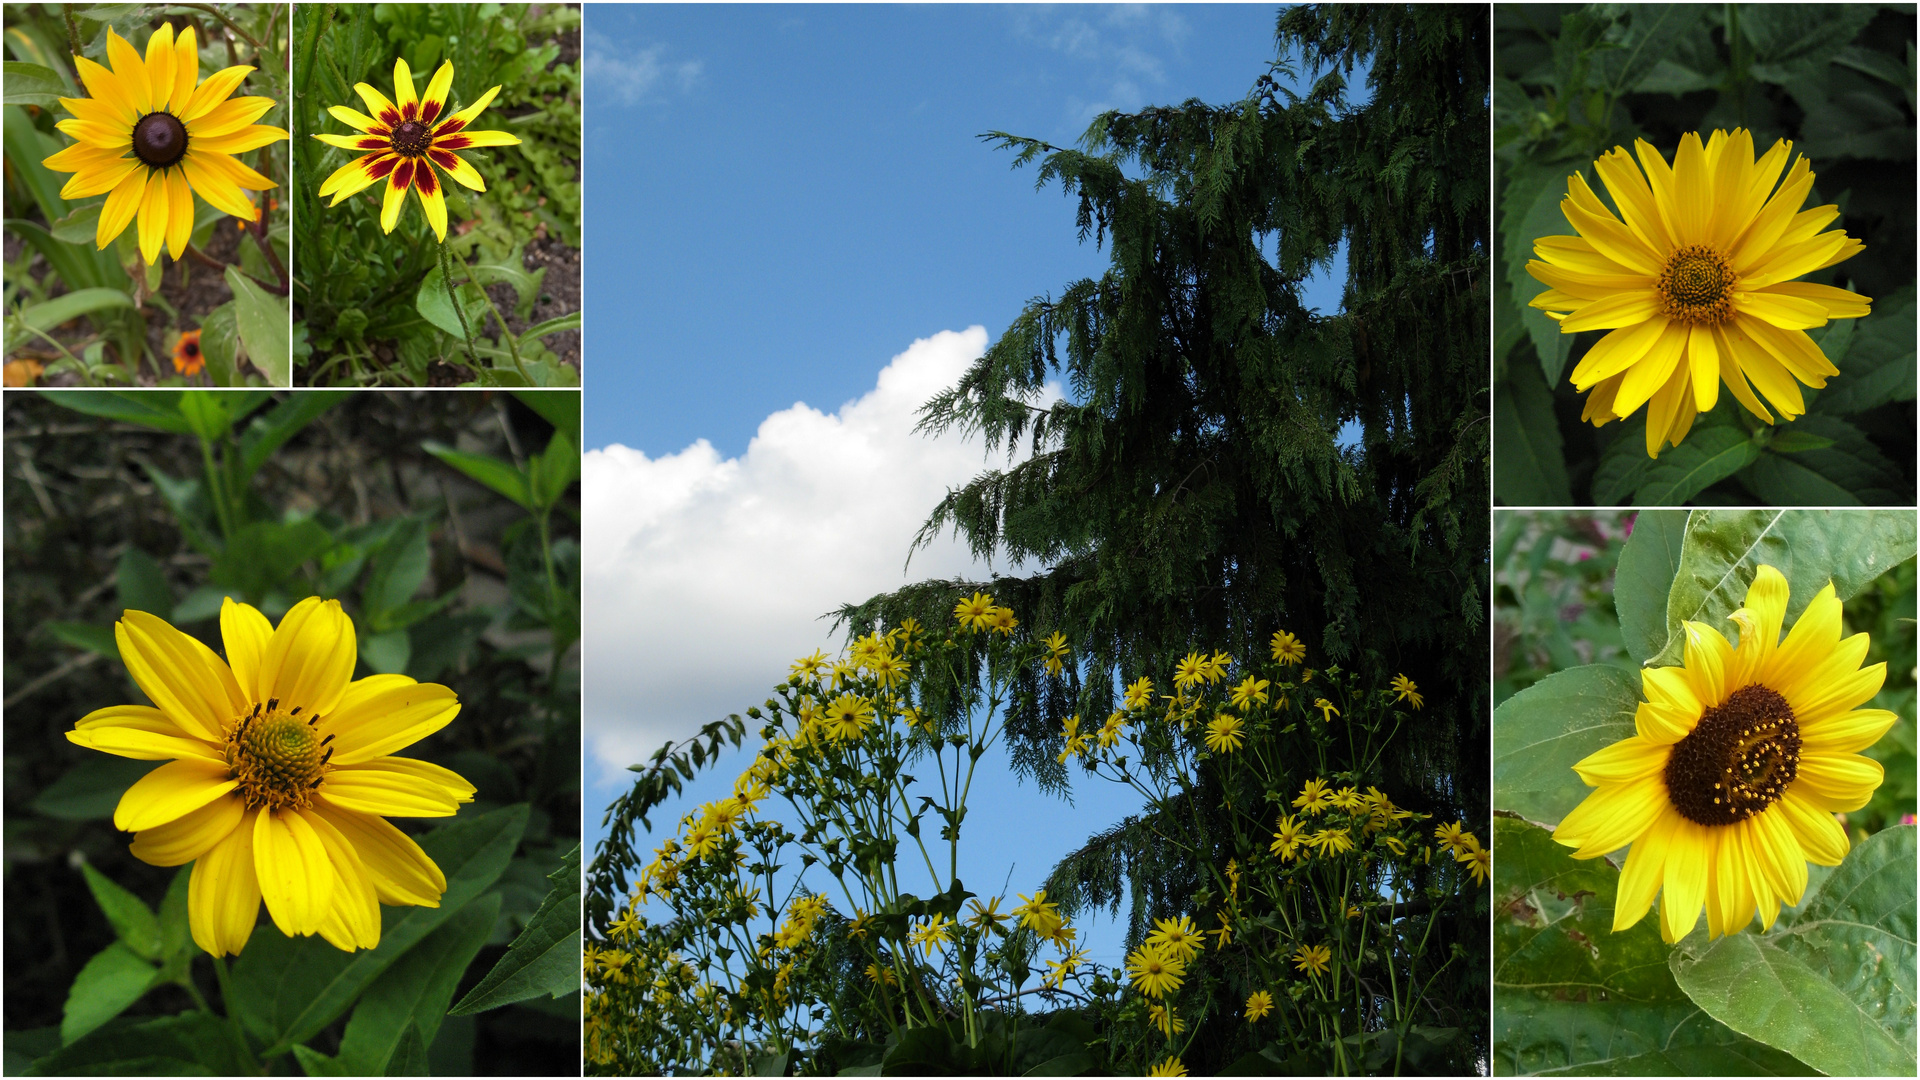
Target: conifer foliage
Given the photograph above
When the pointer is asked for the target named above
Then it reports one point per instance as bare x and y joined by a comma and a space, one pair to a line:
1227, 462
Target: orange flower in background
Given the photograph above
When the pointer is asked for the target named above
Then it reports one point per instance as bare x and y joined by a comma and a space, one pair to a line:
187, 359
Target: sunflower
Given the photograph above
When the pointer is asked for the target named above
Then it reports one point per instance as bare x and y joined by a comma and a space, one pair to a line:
280, 778
402, 138
182, 132
1741, 758
187, 358
1696, 283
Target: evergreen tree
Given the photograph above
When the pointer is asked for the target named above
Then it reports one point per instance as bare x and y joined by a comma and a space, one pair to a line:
1201, 485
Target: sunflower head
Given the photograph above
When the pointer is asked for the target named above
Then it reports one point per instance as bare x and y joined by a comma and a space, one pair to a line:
1694, 279
151, 134
408, 141
1741, 757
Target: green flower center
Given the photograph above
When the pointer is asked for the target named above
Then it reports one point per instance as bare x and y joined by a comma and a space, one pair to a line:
1695, 285
159, 139
278, 757
1737, 761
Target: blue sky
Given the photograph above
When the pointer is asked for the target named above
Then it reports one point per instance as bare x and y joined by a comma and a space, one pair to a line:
779, 202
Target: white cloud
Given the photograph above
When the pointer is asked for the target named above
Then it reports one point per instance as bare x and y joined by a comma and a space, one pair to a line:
705, 577
632, 76
1116, 52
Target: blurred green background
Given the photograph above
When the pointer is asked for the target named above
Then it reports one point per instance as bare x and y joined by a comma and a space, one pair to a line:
395, 502
1571, 81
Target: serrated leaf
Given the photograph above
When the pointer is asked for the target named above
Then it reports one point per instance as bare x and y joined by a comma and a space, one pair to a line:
114, 979
545, 958
1706, 457
1722, 548
1541, 731
1643, 578
133, 921
1833, 985
414, 992
191, 1044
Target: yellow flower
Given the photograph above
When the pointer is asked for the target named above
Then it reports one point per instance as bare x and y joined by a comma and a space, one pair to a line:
1223, 734
1287, 840
1696, 284
1327, 711
1153, 972
1259, 1004
703, 839
1002, 620
1058, 970
1331, 841
1742, 756
847, 718
1312, 959
1347, 799
930, 933
1250, 692
1139, 693
180, 130
722, 816
1314, 797
975, 613
1056, 652
1223, 935
1190, 671
1449, 835
1164, 1018
1037, 913
1407, 691
1479, 862
1169, 1067
881, 975
1111, 731
1217, 666
280, 776
809, 666
1177, 938
858, 927
989, 916
406, 141
1287, 649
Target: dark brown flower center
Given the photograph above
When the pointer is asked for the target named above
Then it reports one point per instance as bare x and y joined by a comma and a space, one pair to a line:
1694, 286
277, 756
159, 139
1737, 761
412, 138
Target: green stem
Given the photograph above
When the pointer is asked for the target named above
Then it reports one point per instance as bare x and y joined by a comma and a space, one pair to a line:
453, 295
233, 1018
506, 335
73, 29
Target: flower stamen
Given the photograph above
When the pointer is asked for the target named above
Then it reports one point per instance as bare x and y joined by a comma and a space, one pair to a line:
1737, 761
277, 758
1695, 286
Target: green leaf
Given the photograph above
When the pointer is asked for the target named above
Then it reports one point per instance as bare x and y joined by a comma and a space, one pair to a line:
176, 934
1794, 442
220, 344
263, 554
1834, 984
545, 958
1704, 458
1541, 731
1878, 365
90, 790
156, 409
436, 306
1722, 548
48, 314
142, 585
415, 991
289, 990
551, 326
264, 322
88, 636
553, 471
31, 84
114, 979
1850, 471
191, 1044
399, 569
561, 408
1529, 469
494, 473
132, 919
1535, 1037
81, 226
314, 1063
410, 1057
388, 653
1643, 578
1530, 209
208, 414
269, 431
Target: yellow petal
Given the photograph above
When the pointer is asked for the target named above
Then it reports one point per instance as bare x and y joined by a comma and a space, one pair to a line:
230, 116
1646, 864
171, 792
1821, 837
179, 213
383, 110
212, 93
122, 203
1838, 303
432, 200
384, 713
214, 186
186, 68
1625, 308
243, 140
296, 878
160, 57
186, 838
223, 895
1629, 759
403, 95
478, 139
1683, 887
182, 676
1847, 732
155, 216
1654, 371
353, 919
1613, 816
355, 120
245, 633
396, 195
132, 72
104, 86
310, 657
1840, 782
1620, 350
401, 872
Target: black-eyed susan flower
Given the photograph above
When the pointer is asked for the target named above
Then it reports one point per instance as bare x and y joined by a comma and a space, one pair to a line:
278, 778
1741, 758
1312, 959
1694, 280
405, 141
187, 358
151, 134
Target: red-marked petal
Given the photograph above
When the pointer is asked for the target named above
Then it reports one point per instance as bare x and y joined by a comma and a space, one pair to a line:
451, 126
444, 159
403, 176
371, 143
429, 110
411, 110
390, 117
425, 179
379, 169
452, 142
